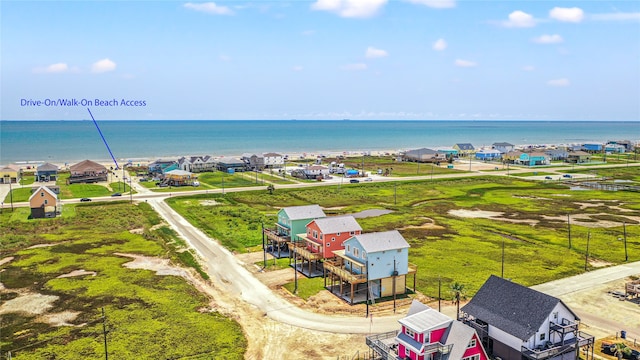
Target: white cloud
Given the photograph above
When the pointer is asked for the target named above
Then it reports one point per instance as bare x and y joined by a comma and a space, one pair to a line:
209, 8
558, 82
439, 45
52, 69
519, 19
548, 39
528, 68
355, 67
436, 4
350, 8
618, 16
465, 63
103, 65
372, 53
573, 14
297, 68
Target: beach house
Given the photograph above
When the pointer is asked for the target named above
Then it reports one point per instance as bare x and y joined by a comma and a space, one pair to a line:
46, 172
516, 322
323, 237
196, 164
315, 171
557, 154
423, 155
487, 155
179, 178
614, 148
87, 171
578, 157
592, 147
292, 221
464, 149
427, 334
10, 174
161, 166
253, 162
371, 266
43, 203
503, 147
273, 160
230, 164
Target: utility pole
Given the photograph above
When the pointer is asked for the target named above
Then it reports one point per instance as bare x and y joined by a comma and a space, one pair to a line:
395, 193
395, 272
439, 292
586, 254
295, 270
569, 229
367, 269
624, 229
502, 272
264, 247
11, 195
104, 332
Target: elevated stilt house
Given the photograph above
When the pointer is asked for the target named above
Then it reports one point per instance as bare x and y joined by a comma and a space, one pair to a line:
291, 222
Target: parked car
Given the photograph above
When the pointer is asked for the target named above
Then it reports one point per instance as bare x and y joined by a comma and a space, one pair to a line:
568, 176
368, 179
634, 355
548, 178
116, 194
354, 181
85, 199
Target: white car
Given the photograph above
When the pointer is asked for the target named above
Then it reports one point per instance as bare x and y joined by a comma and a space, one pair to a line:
368, 179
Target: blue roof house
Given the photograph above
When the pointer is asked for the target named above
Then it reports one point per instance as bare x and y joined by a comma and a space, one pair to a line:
376, 261
488, 154
592, 147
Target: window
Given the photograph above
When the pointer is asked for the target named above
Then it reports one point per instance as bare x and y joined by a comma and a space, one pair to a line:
321, 237
399, 250
472, 344
42, 193
315, 234
333, 239
542, 336
352, 233
473, 357
364, 254
309, 232
328, 244
348, 248
355, 252
555, 315
409, 332
46, 202
338, 234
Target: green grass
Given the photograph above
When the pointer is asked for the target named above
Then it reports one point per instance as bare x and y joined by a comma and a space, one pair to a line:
215, 179
27, 178
274, 264
465, 250
533, 173
307, 287
617, 173
396, 168
149, 316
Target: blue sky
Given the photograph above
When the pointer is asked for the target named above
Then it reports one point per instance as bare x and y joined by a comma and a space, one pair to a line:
325, 59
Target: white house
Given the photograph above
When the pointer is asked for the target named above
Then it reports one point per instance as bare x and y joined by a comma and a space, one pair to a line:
517, 322
503, 147
196, 163
273, 160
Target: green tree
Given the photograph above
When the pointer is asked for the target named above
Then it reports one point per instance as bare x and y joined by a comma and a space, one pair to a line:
458, 292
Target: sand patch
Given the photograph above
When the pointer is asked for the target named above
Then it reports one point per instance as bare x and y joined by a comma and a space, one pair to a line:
6, 260
138, 231
428, 224
160, 266
586, 220
29, 303
209, 203
599, 263
60, 319
41, 246
80, 272
475, 213
158, 226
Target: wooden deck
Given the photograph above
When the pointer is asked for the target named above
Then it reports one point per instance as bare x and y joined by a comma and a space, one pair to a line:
344, 274
273, 235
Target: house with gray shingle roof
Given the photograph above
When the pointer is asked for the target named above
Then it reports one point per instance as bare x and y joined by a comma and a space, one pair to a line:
378, 260
503, 147
464, 149
292, 221
46, 172
423, 155
521, 323
428, 334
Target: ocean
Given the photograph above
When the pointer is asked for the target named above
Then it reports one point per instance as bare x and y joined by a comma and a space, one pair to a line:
70, 141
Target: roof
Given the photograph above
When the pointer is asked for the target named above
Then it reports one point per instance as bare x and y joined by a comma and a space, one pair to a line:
578, 153
422, 151
512, 308
502, 144
317, 167
304, 212
47, 167
427, 319
87, 165
336, 224
46, 189
270, 154
488, 151
459, 335
464, 146
381, 241
178, 173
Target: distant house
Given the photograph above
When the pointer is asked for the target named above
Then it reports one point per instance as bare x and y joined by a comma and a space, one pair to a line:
423, 155
43, 203
449, 153
313, 171
628, 145
557, 154
488, 154
323, 236
374, 263
464, 149
428, 334
10, 174
230, 164
179, 178
253, 161
273, 160
516, 322
46, 172
578, 157
196, 164
291, 222
503, 147
512, 157
592, 147
534, 159
615, 148
87, 171
161, 166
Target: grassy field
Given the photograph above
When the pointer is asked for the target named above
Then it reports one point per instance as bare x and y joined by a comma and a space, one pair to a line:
148, 316
396, 168
531, 222
618, 173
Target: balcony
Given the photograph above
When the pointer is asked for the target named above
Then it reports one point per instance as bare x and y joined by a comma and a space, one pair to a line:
337, 268
384, 345
276, 236
554, 349
302, 250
